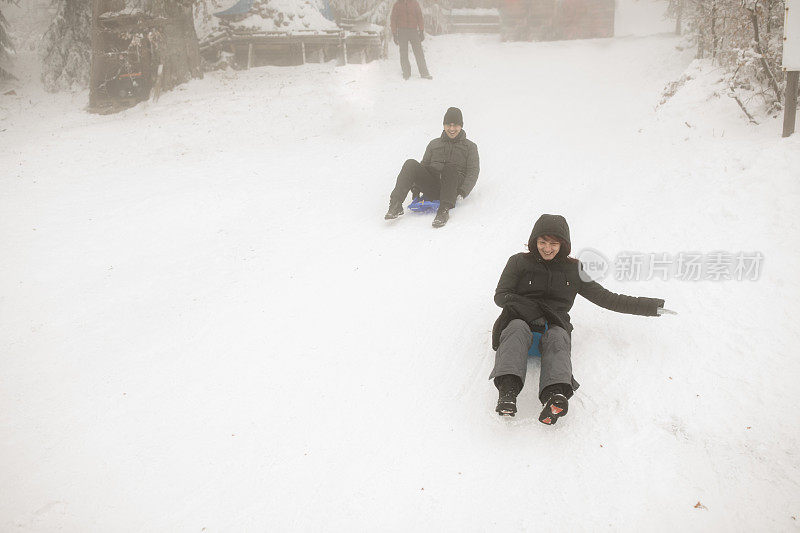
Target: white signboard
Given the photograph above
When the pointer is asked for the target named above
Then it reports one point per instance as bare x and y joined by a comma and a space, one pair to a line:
791, 36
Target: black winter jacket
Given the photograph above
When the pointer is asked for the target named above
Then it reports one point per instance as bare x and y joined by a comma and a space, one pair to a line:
460, 152
533, 289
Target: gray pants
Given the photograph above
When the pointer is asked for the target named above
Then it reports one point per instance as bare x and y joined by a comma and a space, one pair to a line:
411, 35
555, 345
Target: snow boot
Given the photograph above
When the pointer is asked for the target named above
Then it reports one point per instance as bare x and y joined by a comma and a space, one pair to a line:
395, 210
509, 387
554, 408
442, 216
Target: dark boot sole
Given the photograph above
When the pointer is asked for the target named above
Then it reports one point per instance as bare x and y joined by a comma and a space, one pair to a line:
556, 407
506, 409
390, 217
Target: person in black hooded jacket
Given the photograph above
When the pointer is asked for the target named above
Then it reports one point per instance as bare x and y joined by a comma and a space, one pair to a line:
536, 291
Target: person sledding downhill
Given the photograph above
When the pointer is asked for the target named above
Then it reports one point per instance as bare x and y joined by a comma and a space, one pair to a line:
536, 291
448, 169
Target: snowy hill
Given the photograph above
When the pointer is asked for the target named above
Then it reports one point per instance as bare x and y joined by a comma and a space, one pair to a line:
208, 325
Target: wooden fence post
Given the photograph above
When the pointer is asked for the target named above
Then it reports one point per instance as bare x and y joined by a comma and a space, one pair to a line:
790, 106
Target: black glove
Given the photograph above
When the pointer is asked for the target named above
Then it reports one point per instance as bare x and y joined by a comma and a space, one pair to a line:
649, 306
509, 297
539, 325
433, 169
394, 38
421, 35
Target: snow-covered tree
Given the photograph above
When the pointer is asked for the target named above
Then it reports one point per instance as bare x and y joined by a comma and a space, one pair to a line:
66, 55
67, 44
6, 46
744, 36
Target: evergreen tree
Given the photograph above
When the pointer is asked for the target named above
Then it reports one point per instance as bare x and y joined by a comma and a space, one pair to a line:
67, 45
6, 46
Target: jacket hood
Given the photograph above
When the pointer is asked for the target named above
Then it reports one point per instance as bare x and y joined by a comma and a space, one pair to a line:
554, 225
460, 137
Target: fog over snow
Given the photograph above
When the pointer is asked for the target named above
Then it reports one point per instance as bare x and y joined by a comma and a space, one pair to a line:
206, 324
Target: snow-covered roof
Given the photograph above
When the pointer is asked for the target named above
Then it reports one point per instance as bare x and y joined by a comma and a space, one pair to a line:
281, 15
239, 8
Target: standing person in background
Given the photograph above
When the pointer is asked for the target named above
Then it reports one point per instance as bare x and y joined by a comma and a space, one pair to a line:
408, 26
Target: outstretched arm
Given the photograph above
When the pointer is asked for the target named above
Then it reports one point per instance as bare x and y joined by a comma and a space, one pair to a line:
621, 303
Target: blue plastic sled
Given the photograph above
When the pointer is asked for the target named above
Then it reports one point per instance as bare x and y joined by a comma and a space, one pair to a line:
421, 205
534, 349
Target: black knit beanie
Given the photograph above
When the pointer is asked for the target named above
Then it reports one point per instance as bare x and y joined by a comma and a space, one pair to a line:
453, 116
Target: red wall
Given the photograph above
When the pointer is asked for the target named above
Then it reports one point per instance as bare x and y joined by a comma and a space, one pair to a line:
549, 20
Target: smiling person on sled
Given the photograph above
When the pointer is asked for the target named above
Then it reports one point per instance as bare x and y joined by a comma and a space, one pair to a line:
536, 291
448, 169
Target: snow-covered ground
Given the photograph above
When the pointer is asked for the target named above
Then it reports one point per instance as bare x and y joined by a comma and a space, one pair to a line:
206, 324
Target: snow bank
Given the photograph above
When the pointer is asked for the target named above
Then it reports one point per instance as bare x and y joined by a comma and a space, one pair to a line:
708, 103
